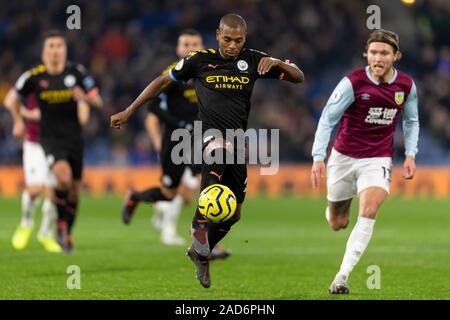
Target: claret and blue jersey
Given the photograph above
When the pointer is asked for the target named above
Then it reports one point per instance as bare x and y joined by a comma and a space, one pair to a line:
368, 112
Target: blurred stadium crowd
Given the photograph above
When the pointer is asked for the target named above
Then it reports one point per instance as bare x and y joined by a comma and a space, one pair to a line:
127, 43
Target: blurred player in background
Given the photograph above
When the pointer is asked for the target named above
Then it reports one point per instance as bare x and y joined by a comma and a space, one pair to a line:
368, 103
37, 176
224, 80
63, 91
176, 107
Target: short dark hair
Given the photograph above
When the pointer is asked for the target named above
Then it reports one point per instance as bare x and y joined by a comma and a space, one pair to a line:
233, 21
385, 36
53, 33
190, 32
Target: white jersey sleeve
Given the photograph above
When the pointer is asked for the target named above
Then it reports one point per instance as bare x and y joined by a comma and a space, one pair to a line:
341, 98
411, 123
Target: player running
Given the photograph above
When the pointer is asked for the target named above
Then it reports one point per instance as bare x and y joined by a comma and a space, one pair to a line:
224, 80
37, 177
368, 103
59, 87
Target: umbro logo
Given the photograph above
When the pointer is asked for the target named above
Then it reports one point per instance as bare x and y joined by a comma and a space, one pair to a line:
365, 96
213, 66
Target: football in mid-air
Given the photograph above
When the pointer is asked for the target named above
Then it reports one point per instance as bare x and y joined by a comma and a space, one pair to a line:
217, 203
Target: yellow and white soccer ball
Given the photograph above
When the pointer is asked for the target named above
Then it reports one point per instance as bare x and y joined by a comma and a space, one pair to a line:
217, 203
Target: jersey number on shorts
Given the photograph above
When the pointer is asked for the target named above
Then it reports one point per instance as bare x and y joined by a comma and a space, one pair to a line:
387, 173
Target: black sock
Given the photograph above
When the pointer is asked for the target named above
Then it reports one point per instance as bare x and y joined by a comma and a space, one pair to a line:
60, 203
150, 195
217, 231
198, 219
71, 213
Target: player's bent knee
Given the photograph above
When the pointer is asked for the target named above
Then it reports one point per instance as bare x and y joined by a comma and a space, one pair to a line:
63, 174
34, 190
187, 194
217, 144
338, 222
169, 193
369, 211
336, 225
63, 182
187, 198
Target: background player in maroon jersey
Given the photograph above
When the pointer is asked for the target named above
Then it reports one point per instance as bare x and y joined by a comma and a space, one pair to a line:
368, 103
37, 177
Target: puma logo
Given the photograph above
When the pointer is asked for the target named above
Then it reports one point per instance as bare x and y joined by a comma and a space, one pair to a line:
212, 66
215, 174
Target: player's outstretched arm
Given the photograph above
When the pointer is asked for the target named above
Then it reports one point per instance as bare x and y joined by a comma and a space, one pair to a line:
291, 72
12, 103
150, 92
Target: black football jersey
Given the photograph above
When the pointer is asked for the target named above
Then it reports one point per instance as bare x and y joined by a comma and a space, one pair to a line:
59, 117
223, 87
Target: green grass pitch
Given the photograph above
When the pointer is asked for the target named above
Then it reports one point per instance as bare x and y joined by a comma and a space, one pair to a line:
282, 249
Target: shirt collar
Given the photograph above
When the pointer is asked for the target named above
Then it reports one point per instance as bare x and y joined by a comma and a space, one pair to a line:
390, 81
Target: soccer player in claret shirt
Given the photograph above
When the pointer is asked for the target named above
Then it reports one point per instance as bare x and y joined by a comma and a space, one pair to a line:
59, 87
37, 176
224, 80
368, 103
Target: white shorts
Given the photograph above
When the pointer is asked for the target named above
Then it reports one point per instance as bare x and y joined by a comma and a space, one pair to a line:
347, 176
35, 165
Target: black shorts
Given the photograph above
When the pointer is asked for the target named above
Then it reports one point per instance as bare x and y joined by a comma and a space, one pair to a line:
172, 173
60, 150
234, 177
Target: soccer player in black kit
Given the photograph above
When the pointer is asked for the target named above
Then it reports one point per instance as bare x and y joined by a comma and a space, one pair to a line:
59, 87
224, 80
